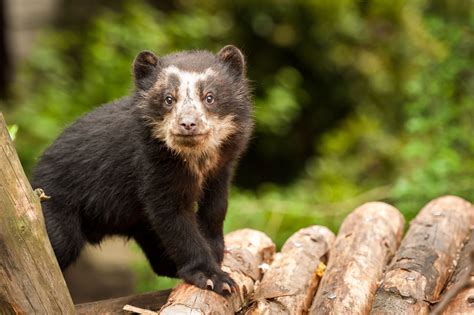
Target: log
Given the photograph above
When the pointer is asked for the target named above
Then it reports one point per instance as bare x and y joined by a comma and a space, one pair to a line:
246, 251
459, 295
367, 240
30, 279
426, 257
150, 301
289, 285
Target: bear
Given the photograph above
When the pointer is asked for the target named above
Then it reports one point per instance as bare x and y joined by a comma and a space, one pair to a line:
154, 166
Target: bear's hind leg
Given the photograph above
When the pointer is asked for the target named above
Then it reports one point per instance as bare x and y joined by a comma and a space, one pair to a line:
65, 234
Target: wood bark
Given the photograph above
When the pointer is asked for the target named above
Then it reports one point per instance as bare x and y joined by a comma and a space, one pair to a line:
459, 295
426, 257
289, 285
246, 251
367, 239
30, 279
150, 301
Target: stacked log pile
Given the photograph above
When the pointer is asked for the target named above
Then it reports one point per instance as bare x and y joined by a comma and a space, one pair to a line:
366, 269
369, 269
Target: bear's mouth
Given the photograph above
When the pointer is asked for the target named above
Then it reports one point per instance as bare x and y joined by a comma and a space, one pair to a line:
190, 139
190, 135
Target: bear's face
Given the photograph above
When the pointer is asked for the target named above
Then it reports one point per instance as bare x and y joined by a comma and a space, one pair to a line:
188, 110
193, 101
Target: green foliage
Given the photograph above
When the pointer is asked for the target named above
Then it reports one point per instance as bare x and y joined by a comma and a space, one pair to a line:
355, 100
12, 130
437, 154
278, 117
312, 62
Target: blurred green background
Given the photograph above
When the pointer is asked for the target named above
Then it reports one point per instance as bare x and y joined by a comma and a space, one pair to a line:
355, 100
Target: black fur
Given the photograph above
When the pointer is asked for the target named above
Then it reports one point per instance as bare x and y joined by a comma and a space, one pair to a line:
107, 174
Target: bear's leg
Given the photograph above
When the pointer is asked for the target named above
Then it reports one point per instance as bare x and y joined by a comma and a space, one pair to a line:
213, 209
64, 232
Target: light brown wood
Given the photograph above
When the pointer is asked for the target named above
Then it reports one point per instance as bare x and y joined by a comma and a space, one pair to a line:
426, 257
30, 279
367, 240
137, 310
459, 295
148, 301
289, 285
246, 251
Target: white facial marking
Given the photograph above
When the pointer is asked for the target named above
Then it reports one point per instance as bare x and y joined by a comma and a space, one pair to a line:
188, 91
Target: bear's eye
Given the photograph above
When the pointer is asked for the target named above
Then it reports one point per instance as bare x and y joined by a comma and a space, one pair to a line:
209, 98
169, 100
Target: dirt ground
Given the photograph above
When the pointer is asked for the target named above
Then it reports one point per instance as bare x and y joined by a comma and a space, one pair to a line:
103, 272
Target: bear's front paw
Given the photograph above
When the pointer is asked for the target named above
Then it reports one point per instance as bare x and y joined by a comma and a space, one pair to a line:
218, 248
216, 280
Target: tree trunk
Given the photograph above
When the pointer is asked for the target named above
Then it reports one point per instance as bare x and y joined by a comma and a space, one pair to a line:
290, 284
150, 301
30, 279
368, 238
246, 251
426, 257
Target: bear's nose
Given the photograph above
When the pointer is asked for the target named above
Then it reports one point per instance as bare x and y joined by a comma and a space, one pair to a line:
188, 123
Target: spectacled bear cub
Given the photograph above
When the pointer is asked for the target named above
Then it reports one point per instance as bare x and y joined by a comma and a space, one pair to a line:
154, 166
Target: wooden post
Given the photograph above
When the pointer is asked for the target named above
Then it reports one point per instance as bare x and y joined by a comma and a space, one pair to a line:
426, 257
30, 279
366, 242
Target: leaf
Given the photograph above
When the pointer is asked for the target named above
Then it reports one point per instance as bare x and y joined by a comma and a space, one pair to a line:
12, 130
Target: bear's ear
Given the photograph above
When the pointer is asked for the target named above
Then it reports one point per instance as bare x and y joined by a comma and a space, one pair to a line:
234, 59
145, 69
